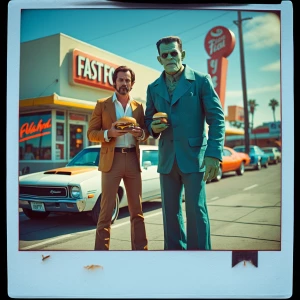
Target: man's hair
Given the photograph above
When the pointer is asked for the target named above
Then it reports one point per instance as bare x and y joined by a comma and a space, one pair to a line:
123, 69
168, 40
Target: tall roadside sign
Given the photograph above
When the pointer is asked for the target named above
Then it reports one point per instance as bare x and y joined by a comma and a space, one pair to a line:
219, 44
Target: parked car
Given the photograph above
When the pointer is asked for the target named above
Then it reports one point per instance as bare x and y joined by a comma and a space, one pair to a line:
258, 157
274, 154
232, 161
76, 188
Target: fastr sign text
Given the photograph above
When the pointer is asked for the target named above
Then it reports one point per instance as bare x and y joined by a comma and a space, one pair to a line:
91, 71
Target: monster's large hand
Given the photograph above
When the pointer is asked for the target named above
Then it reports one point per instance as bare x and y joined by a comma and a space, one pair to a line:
158, 127
212, 166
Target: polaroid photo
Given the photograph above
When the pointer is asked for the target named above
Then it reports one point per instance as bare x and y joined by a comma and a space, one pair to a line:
61, 59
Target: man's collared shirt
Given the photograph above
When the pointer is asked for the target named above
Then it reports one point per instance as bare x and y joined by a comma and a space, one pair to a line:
126, 140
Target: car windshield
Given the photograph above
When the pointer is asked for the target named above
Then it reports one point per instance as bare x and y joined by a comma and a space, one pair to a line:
86, 157
268, 150
90, 157
241, 149
150, 156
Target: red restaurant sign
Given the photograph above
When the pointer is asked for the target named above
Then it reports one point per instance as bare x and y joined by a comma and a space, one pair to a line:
219, 43
92, 71
34, 130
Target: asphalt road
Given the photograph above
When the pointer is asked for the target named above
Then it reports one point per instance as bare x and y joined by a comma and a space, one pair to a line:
244, 213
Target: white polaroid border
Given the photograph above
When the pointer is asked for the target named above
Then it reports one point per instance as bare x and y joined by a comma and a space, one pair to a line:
149, 274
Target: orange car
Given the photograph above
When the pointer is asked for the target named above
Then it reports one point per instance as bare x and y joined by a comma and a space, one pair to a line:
233, 161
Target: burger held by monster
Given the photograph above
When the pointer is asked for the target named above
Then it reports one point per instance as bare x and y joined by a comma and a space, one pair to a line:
162, 117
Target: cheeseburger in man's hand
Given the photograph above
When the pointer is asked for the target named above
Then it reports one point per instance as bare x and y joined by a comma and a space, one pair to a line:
162, 117
160, 122
126, 123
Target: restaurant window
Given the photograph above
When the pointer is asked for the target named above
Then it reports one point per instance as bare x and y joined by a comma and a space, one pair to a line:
60, 115
77, 117
60, 135
60, 132
35, 136
60, 139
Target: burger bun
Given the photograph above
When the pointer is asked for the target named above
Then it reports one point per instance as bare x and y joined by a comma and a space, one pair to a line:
126, 123
162, 116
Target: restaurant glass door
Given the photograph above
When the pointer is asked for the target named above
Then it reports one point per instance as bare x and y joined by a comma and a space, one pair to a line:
76, 139
77, 133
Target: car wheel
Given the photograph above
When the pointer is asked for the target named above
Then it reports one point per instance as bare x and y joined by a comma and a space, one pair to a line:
115, 213
241, 169
96, 210
258, 165
35, 215
219, 176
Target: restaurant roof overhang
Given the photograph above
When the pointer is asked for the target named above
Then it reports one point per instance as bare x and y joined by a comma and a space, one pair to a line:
234, 131
55, 101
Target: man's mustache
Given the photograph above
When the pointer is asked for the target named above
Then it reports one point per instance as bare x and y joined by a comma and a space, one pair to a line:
125, 87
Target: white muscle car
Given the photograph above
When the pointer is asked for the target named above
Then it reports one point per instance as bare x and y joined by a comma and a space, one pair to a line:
76, 188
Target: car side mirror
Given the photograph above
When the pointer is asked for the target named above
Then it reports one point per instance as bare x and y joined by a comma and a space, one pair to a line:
146, 164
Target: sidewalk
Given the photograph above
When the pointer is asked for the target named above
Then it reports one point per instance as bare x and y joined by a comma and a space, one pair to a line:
241, 222
238, 222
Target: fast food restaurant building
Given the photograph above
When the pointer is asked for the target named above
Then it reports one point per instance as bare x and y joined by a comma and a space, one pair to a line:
61, 79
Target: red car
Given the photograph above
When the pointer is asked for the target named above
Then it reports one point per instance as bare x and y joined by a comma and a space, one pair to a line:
233, 161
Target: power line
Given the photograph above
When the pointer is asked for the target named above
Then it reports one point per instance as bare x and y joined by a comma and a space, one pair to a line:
198, 35
178, 34
203, 23
173, 12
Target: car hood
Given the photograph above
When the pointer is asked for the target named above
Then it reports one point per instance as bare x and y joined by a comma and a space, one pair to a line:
60, 176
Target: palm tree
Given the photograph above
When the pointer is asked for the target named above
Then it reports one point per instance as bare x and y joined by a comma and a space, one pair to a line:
273, 103
252, 104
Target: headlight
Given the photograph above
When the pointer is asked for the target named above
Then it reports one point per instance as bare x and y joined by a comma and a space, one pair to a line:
75, 192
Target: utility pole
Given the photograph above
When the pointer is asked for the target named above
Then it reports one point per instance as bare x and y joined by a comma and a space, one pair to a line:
245, 101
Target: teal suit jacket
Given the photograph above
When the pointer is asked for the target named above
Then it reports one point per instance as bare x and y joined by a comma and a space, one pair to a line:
193, 104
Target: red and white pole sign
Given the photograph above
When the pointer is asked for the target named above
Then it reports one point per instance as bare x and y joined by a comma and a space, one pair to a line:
219, 43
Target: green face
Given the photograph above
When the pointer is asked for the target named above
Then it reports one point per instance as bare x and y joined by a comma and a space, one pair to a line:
171, 57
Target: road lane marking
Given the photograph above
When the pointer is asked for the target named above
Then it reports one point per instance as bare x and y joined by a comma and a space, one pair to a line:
79, 233
119, 225
250, 187
214, 198
150, 216
128, 222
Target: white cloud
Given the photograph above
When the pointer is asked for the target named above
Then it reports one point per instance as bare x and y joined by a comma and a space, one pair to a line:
275, 66
234, 94
262, 31
253, 92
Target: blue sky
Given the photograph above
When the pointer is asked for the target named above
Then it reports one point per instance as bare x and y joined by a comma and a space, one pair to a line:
132, 34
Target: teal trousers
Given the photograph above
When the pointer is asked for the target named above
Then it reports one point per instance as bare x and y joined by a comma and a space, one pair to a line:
195, 234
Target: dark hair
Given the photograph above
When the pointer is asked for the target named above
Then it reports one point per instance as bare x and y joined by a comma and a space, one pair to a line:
123, 69
168, 40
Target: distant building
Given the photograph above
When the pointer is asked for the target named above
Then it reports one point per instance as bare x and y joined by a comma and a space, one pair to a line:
266, 135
